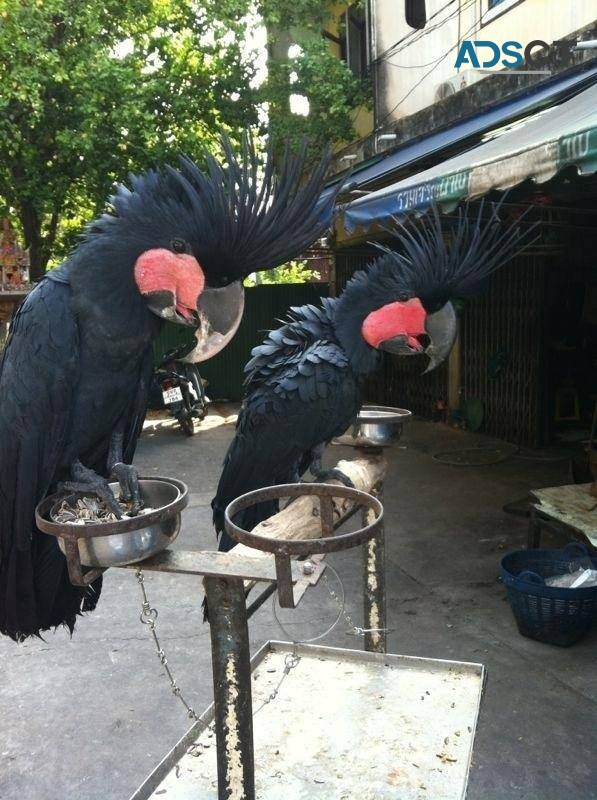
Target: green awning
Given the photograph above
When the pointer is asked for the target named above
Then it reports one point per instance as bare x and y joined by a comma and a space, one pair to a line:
535, 148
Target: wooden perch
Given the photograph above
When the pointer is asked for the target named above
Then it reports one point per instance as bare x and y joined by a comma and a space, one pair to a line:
300, 519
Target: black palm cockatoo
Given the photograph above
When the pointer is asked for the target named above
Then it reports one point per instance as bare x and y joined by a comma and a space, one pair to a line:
74, 373
304, 383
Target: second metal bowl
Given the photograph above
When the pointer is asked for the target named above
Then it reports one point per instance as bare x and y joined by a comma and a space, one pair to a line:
377, 426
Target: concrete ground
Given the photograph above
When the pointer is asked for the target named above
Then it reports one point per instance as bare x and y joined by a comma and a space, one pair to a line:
87, 718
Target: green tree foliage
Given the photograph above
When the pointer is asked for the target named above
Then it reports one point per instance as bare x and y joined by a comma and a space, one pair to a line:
92, 89
297, 15
293, 272
314, 72
330, 88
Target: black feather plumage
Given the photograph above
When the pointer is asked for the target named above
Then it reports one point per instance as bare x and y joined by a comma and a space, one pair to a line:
240, 216
439, 258
300, 391
78, 359
303, 384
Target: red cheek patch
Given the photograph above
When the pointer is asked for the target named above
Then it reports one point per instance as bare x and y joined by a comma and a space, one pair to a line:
396, 319
161, 270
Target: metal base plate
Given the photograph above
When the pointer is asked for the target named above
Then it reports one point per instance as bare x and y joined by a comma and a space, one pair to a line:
344, 724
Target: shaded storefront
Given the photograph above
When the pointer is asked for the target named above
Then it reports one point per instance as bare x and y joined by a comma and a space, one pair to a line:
522, 368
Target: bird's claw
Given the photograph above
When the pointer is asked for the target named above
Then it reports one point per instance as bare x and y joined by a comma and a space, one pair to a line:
128, 478
107, 495
97, 485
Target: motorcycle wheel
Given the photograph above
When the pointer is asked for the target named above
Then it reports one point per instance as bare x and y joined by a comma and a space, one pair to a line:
187, 424
200, 408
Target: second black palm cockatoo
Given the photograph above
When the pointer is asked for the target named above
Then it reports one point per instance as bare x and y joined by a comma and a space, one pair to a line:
74, 373
304, 383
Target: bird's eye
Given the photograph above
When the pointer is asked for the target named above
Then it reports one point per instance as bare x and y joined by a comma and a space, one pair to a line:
403, 297
178, 245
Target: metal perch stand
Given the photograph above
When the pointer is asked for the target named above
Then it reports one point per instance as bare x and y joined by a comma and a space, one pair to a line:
376, 428
225, 593
224, 577
306, 528
228, 614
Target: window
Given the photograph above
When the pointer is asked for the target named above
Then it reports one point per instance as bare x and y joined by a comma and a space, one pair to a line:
495, 8
354, 46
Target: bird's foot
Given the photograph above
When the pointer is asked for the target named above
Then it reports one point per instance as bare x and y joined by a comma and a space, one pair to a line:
86, 480
128, 478
327, 475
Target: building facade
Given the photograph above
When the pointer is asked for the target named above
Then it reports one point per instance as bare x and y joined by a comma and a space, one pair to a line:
415, 69
419, 81
450, 125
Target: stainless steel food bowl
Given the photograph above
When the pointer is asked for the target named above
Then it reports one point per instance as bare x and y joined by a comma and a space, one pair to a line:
128, 540
377, 426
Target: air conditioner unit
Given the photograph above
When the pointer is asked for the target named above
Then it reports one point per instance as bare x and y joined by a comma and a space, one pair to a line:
456, 83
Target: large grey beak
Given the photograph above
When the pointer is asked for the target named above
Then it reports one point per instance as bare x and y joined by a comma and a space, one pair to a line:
163, 304
442, 329
220, 312
399, 346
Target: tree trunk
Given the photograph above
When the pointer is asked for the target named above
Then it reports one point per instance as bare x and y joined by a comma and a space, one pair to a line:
38, 259
40, 246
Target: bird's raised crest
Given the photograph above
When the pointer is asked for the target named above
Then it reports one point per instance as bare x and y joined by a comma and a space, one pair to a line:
480, 242
241, 214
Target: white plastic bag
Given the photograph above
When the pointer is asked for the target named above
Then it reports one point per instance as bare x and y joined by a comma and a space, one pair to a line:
574, 580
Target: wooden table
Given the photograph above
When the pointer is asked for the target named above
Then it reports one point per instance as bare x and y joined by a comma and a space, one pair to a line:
569, 508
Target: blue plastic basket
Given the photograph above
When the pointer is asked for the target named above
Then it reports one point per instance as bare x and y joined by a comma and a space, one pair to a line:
547, 613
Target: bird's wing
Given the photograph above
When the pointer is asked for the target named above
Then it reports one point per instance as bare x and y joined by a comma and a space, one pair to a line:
38, 375
136, 414
130, 422
298, 404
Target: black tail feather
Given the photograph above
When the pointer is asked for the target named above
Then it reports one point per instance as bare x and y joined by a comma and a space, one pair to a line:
54, 602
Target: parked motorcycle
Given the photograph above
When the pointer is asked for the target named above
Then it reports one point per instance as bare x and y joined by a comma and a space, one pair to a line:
178, 386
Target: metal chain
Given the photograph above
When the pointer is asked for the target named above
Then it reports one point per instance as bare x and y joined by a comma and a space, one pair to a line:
340, 603
354, 630
290, 662
149, 617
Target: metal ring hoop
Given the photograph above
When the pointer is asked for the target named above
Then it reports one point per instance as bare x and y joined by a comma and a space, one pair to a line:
303, 547
327, 631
